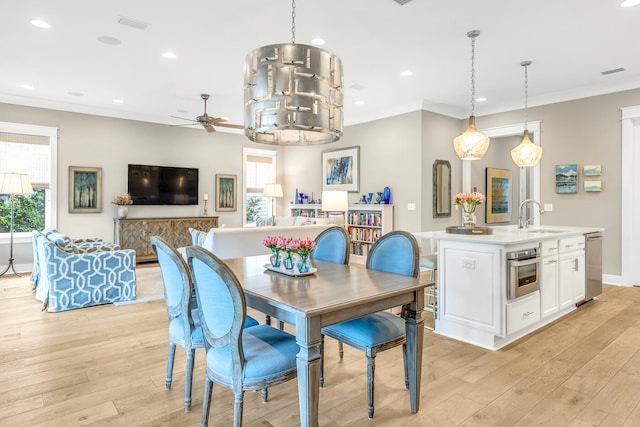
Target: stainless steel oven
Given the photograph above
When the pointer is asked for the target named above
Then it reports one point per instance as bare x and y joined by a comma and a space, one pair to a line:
523, 272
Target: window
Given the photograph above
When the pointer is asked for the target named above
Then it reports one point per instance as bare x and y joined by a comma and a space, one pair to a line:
259, 169
29, 149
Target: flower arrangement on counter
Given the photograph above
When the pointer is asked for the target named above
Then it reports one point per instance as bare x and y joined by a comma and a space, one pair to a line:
123, 199
469, 201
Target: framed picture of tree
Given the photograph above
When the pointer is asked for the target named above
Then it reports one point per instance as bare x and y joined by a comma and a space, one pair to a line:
226, 193
85, 189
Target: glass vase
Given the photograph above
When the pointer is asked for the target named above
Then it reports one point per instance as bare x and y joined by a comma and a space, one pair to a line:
304, 264
288, 261
469, 220
275, 259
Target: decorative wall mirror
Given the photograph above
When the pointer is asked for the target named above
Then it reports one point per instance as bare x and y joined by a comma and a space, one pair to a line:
441, 189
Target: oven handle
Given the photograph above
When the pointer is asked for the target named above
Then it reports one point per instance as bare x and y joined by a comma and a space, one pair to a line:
521, 263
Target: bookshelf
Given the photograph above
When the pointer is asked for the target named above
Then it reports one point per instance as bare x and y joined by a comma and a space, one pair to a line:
365, 224
309, 210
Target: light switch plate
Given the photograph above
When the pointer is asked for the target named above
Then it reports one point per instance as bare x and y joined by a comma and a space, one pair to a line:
411, 206
548, 207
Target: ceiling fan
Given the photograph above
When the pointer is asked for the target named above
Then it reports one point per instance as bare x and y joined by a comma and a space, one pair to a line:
207, 121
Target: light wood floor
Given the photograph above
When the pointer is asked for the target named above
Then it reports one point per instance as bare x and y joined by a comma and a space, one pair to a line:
106, 366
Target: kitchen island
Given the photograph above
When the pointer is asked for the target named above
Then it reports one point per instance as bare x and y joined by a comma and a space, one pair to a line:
488, 300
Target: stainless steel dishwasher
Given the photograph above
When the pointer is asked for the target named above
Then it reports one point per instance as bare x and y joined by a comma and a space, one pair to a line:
593, 273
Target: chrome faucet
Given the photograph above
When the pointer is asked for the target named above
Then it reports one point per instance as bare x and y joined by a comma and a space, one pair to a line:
521, 223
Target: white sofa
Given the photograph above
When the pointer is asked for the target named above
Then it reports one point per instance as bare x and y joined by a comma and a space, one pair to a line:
247, 241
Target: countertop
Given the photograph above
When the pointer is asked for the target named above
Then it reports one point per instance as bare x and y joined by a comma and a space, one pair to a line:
511, 234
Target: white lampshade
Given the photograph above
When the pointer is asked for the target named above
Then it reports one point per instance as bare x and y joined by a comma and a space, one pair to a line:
335, 201
15, 183
272, 190
526, 154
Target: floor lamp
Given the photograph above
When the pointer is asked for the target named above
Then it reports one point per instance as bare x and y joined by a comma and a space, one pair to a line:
12, 184
335, 203
273, 191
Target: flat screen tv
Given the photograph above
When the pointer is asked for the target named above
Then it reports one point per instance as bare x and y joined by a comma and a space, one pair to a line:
163, 185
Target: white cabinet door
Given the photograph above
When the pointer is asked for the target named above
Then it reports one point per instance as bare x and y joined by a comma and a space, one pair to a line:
549, 286
471, 292
571, 278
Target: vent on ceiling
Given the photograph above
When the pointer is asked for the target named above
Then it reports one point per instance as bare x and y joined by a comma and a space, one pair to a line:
402, 2
615, 70
357, 87
133, 23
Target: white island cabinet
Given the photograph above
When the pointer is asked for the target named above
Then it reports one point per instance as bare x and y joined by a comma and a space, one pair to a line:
473, 274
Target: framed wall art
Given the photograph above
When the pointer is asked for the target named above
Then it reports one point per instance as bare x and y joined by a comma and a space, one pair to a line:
592, 186
498, 204
341, 169
567, 179
85, 189
226, 193
592, 170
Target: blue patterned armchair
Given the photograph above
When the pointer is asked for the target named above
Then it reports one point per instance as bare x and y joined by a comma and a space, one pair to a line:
69, 276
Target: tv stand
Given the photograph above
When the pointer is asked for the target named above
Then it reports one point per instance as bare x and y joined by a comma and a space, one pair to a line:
135, 233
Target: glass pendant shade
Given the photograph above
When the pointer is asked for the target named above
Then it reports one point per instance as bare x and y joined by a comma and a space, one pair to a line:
526, 154
293, 95
471, 145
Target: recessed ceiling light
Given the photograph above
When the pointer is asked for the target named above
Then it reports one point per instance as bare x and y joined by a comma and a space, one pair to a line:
40, 23
118, 101
406, 73
109, 40
481, 99
26, 86
169, 55
318, 41
629, 3
182, 111
359, 103
75, 93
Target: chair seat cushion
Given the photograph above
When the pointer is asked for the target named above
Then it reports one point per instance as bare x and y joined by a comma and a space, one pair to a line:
370, 330
429, 261
268, 352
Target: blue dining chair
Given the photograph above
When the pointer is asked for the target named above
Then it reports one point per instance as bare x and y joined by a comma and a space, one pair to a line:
332, 245
237, 358
184, 319
395, 252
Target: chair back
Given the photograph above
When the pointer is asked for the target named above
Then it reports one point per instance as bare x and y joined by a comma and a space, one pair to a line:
177, 283
221, 302
395, 252
332, 245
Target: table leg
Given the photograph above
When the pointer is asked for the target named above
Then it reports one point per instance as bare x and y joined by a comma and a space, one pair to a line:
308, 362
415, 339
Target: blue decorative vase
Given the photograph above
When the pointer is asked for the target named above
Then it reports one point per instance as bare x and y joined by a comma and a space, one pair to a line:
275, 258
379, 197
288, 261
304, 265
387, 195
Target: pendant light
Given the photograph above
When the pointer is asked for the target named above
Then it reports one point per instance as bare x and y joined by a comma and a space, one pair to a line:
293, 94
526, 154
472, 145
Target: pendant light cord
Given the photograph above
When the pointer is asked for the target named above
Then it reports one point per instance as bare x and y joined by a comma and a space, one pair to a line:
526, 64
293, 21
473, 75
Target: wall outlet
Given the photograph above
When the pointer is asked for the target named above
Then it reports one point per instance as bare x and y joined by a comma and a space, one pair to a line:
411, 206
548, 207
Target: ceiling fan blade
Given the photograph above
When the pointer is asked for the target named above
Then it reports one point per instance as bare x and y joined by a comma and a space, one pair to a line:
185, 125
209, 128
182, 118
229, 125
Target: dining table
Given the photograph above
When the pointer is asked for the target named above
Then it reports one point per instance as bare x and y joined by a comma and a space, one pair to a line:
332, 293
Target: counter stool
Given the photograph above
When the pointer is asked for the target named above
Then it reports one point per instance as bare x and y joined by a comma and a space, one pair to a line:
430, 262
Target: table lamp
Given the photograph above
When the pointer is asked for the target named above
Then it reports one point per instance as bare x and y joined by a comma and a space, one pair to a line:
335, 203
272, 190
12, 184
